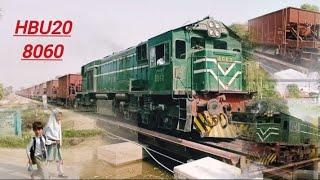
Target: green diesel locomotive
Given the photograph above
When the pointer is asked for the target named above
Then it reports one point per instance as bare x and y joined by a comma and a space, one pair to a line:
185, 79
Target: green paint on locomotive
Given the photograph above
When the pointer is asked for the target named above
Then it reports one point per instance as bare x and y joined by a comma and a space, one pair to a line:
145, 80
217, 70
168, 62
286, 129
88, 73
87, 96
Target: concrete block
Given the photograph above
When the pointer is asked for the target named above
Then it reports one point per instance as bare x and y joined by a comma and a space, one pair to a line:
120, 154
206, 168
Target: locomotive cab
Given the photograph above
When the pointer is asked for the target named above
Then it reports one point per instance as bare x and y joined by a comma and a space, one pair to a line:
207, 67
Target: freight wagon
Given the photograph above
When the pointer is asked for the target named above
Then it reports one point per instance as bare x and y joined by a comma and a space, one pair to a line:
23, 93
37, 92
42, 90
32, 92
291, 32
29, 92
68, 86
52, 89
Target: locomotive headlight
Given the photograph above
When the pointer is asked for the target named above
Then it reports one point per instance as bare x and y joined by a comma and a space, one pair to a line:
216, 33
217, 25
211, 32
211, 24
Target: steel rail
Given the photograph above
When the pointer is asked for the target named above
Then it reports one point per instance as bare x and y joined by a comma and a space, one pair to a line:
233, 158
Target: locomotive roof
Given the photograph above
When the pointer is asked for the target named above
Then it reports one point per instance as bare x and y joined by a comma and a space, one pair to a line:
132, 49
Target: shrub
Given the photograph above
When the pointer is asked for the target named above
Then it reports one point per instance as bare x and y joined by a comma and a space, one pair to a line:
15, 141
31, 115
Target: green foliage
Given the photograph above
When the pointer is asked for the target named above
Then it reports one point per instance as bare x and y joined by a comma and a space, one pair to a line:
1, 91
242, 31
70, 138
259, 81
73, 137
293, 91
8, 90
81, 133
31, 115
310, 7
277, 104
15, 141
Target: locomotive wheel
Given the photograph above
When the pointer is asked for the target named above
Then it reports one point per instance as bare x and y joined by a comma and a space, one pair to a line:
139, 120
119, 115
152, 122
214, 107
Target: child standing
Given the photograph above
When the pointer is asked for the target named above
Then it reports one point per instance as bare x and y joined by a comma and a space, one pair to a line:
54, 140
37, 152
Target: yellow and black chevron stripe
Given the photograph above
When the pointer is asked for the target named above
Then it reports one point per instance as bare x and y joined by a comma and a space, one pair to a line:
199, 122
268, 159
263, 159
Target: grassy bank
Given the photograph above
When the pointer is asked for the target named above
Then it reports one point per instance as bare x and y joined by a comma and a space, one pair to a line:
14, 141
71, 133
70, 138
29, 116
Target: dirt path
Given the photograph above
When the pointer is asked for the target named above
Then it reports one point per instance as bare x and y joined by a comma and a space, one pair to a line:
73, 120
14, 162
80, 161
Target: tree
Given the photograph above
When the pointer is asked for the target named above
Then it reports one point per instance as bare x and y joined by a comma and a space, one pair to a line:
8, 90
242, 31
293, 90
1, 91
310, 7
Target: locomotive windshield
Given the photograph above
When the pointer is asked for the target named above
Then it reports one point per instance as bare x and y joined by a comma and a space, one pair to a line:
197, 43
219, 44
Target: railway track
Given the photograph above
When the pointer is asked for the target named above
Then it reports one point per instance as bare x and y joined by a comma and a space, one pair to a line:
287, 171
230, 157
237, 146
273, 65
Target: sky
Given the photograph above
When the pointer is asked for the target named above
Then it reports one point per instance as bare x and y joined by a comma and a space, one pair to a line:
105, 26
